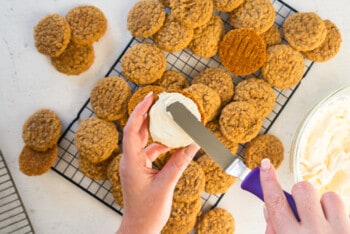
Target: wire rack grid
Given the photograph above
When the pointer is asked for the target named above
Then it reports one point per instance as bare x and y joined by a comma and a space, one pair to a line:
189, 65
13, 216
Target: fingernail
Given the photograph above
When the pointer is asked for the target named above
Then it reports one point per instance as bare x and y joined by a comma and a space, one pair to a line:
148, 94
266, 215
265, 164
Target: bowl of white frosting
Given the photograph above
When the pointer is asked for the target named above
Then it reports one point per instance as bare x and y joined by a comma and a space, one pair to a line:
320, 150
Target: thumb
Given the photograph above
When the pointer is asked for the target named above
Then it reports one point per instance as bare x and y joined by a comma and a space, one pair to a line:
178, 162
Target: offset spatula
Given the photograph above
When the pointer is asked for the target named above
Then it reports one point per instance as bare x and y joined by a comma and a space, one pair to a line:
232, 164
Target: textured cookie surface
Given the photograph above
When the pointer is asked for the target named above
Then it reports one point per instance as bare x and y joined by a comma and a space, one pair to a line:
173, 36
41, 130
216, 180
227, 5
139, 94
114, 179
143, 63
242, 51
217, 79
239, 122
52, 35
216, 221
330, 46
205, 42
256, 14
272, 36
109, 98
75, 59
145, 18
304, 31
264, 146
88, 24
259, 93
214, 127
96, 139
284, 66
172, 80
34, 163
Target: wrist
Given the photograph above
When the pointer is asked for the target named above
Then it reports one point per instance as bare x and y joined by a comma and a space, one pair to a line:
132, 226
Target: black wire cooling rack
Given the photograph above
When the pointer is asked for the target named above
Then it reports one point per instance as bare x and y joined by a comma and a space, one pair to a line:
13, 216
189, 65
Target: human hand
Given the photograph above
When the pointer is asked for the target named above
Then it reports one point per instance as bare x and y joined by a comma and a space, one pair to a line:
147, 192
325, 216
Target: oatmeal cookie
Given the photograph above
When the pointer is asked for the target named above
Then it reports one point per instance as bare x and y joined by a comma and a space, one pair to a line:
173, 36
205, 42
109, 98
34, 163
214, 127
258, 15
264, 146
172, 80
190, 184
114, 178
144, 63
41, 130
217, 79
239, 122
284, 66
52, 35
216, 180
227, 5
192, 13
242, 51
304, 31
208, 98
96, 139
217, 220
75, 59
88, 24
330, 46
272, 36
166, 3
145, 18
139, 94
259, 93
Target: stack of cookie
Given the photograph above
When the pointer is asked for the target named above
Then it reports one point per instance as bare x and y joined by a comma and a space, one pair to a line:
69, 41
40, 134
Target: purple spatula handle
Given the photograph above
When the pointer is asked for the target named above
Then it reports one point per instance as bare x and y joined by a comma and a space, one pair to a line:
252, 184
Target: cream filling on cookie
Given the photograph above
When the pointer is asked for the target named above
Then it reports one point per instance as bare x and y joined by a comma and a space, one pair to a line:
162, 127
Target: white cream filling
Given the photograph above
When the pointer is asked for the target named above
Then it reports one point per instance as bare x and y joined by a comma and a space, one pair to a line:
162, 127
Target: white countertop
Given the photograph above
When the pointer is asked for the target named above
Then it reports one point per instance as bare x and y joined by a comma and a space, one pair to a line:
29, 82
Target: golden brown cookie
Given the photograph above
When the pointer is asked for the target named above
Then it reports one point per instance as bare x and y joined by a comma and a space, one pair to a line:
173, 36
284, 66
214, 127
330, 46
216, 180
190, 184
139, 95
96, 171
208, 98
216, 221
172, 80
166, 3
144, 63
192, 14
75, 59
259, 93
304, 31
145, 18
109, 98
96, 139
52, 35
239, 122
264, 146
41, 130
258, 15
114, 178
227, 5
34, 163
205, 42
272, 36
242, 51
88, 24
183, 217
217, 79
162, 159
